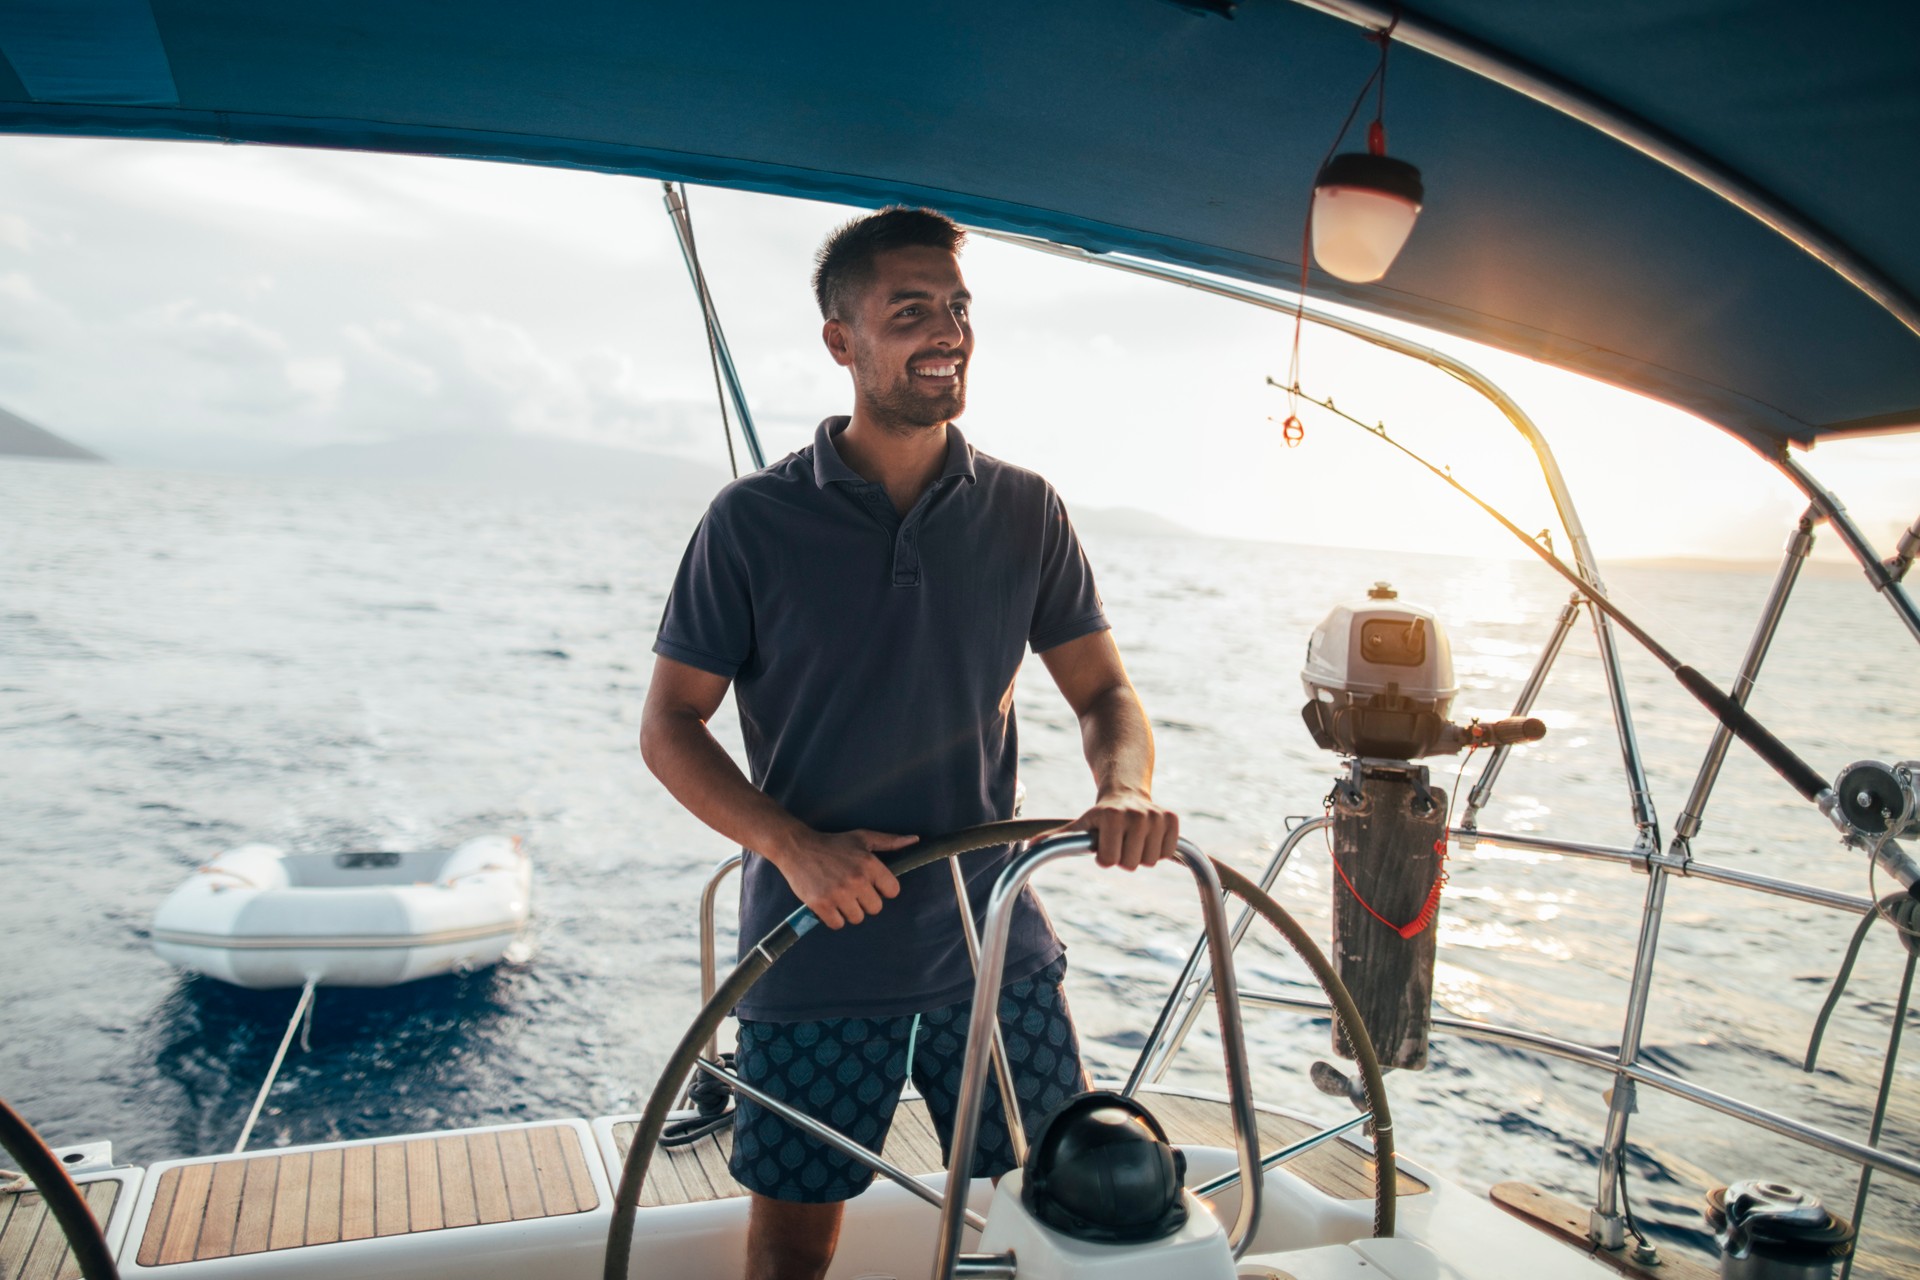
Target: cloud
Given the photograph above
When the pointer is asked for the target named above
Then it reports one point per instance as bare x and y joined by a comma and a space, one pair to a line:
17, 233
234, 364
220, 336
437, 369
28, 317
205, 305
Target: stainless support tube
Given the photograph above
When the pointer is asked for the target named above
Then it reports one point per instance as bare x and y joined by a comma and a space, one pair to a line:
1002, 1069
1466, 1028
986, 993
709, 962
683, 231
1799, 545
840, 1142
1834, 512
1656, 144
1292, 1151
1529, 692
1196, 989
1692, 870
1547, 844
1189, 993
1904, 552
1639, 794
1607, 1224
1470, 1029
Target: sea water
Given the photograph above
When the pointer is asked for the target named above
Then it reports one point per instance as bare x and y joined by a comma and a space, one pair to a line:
193, 661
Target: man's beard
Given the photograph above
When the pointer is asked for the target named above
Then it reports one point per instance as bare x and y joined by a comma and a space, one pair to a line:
902, 408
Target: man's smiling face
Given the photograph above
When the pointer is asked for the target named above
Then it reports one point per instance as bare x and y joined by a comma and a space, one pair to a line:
908, 340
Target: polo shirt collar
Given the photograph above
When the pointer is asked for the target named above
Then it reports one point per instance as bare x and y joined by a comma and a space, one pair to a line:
830, 468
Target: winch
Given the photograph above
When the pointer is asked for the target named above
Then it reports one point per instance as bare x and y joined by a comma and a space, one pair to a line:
1773, 1231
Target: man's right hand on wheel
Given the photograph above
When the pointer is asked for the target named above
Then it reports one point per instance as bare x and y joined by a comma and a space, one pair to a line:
837, 875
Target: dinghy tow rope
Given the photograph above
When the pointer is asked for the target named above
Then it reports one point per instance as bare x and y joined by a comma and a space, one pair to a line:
301, 1021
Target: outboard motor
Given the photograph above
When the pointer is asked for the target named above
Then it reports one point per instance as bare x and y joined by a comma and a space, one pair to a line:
1772, 1231
1379, 682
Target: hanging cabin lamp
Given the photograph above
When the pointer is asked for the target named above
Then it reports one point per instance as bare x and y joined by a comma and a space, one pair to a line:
1364, 207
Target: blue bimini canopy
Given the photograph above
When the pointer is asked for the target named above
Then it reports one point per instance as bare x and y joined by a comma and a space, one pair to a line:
1183, 132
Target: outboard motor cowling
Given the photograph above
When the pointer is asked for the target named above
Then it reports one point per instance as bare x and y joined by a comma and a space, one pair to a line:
1379, 679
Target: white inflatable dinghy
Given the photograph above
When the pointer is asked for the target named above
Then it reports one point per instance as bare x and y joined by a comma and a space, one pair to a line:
258, 917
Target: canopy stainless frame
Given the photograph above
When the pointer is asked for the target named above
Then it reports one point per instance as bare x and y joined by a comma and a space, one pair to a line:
1607, 1226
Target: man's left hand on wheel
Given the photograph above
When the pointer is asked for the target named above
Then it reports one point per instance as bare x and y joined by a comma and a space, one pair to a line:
1129, 831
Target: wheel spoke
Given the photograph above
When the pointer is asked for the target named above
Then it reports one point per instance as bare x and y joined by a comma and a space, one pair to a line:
834, 1138
1284, 1154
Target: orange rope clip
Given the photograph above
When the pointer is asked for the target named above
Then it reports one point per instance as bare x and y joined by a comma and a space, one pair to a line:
1428, 910
1293, 431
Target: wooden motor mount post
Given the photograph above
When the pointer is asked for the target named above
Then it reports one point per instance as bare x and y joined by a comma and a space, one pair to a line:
1388, 825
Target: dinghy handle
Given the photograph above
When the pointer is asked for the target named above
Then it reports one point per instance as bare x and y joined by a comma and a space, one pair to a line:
213, 869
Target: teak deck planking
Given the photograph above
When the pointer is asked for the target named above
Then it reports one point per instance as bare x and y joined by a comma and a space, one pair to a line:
1568, 1222
32, 1246
698, 1171
217, 1209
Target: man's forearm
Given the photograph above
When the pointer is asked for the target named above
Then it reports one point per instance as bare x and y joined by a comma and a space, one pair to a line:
697, 770
837, 875
1118, 744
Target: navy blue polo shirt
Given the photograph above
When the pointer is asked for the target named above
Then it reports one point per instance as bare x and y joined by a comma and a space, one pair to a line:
873, 660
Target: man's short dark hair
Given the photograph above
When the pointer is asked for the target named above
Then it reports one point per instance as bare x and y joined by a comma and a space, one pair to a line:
845, 261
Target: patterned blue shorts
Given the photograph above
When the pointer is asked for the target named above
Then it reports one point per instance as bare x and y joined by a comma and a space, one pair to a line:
848, 1072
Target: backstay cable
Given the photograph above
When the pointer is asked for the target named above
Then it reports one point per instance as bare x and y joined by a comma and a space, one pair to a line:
722, 356
300, 1011
684, 211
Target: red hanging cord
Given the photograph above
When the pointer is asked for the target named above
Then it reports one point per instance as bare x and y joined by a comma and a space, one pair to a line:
1431, 907
1428, 910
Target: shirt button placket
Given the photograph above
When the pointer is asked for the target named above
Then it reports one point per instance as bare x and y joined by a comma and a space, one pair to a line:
906, 557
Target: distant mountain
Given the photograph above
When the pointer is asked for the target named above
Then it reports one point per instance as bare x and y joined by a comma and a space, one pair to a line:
553, 464
1827, 563
24, 439
513, 462
1101, 521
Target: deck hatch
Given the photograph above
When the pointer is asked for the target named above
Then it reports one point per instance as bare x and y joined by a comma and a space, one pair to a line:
31, 1243
228, 1208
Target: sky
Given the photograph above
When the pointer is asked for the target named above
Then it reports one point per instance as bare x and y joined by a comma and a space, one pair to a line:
199, 306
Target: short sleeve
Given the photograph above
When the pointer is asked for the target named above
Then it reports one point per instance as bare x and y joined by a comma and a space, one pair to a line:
1067, 605
708, 621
